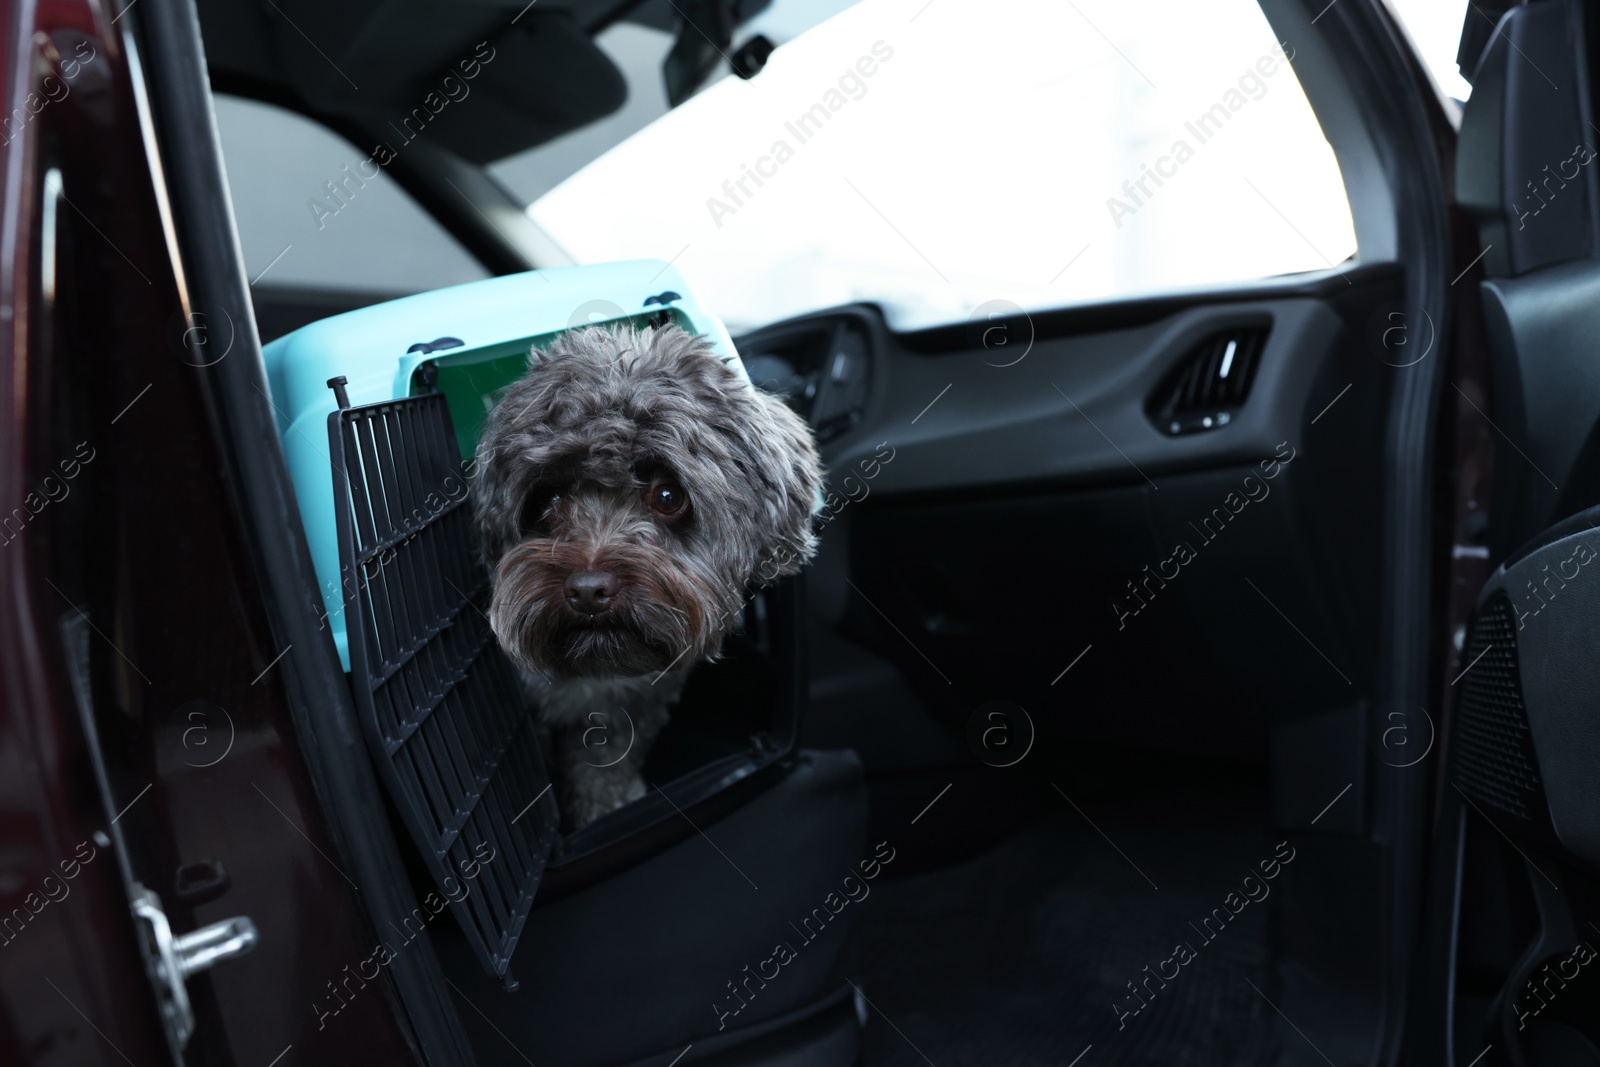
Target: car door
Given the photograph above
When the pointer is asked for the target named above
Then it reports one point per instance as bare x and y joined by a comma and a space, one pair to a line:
168, 885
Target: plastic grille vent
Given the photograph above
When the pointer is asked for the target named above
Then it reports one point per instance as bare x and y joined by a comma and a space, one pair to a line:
438, 700
1493, 747
1211, 383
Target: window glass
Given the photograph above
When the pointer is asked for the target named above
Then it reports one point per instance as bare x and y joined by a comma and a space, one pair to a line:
1434, 27
936, 156
311, 215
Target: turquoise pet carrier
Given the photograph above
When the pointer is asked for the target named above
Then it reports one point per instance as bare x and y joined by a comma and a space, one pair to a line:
380, 410
476, 336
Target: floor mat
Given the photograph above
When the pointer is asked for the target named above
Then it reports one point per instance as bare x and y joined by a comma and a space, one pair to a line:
1030, 954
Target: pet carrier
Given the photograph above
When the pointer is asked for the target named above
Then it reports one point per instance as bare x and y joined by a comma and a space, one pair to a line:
379, 410
476, 337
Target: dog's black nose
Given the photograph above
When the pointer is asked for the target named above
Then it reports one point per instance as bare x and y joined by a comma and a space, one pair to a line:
590, 592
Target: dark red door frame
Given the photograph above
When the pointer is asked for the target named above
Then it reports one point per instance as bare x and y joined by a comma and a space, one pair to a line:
141, 553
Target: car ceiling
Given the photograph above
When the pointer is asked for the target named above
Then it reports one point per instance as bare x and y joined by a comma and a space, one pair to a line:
363, 67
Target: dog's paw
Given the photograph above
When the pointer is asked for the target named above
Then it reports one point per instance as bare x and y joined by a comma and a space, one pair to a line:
581, 811
594, 793
636, 791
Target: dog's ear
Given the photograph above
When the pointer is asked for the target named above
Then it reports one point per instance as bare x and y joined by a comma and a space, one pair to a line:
760, 456
496, 495
783, 453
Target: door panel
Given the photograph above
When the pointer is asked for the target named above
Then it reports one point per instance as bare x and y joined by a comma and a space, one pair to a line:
1073, 409
997, 509
1016, 522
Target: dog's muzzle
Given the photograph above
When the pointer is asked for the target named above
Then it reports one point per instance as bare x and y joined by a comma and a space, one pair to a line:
566, 610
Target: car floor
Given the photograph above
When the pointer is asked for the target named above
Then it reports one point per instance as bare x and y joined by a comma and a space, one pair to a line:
1020, 955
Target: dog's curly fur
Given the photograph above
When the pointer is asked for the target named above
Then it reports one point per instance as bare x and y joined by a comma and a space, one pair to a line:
566, 468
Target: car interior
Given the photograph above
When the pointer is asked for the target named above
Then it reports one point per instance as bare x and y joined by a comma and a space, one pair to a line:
1171, 621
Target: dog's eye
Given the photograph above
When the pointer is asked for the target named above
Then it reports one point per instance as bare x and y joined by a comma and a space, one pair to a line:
536, 507
667, 499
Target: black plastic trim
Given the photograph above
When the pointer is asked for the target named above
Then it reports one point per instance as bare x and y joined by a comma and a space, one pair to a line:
1415, 141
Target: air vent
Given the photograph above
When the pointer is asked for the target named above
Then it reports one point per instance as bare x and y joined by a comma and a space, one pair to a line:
1212, 382
822, 371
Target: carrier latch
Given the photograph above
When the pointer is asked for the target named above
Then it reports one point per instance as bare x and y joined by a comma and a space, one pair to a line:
171, 959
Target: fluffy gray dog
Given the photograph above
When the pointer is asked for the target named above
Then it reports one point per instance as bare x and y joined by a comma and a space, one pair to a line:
631, 490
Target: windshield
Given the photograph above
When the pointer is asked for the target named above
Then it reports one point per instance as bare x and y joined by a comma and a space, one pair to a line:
937, 157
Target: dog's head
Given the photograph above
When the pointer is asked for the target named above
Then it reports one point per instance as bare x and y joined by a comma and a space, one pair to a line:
631, 490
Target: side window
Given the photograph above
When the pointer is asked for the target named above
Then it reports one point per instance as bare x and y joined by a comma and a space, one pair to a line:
1041, 154
324, 229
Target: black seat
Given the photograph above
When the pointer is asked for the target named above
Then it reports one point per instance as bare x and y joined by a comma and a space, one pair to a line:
635, 969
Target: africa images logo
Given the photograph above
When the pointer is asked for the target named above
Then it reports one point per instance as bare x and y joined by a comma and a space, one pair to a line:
854, 890
1251, 490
